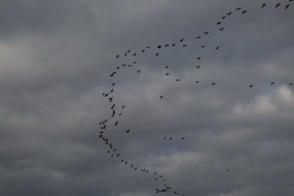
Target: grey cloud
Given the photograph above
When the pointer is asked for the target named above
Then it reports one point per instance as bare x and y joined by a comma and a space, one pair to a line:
55, 58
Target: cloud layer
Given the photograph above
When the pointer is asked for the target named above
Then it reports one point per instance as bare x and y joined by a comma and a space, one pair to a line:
55, 60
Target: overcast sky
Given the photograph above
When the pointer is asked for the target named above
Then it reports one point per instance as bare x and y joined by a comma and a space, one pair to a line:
55, 61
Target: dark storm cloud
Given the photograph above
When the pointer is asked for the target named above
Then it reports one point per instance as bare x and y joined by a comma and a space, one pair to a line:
55, 58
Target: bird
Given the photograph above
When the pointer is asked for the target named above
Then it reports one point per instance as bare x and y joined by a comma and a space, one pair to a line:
244, 12
128, 131
128, 51
159, 46
134, 62
197, 66
184, 45
213, 84
166, 67
229, 13
287, 6
199, 57
167, 74
251, 85
123, 106
227, 170
202, 46
157, 54
182, 39
198, 37
223, 17
148, 47
177, 79
170, 138
138, 71
218, 23
263, 5
197, 82
164, 138
238, 8
272, 83
134, 54
166, 45
217, 47
161, 97
183, 138
113, 84
173, 45
277, 5
221, 29
291, 84
206, 33
143, 51
116, 123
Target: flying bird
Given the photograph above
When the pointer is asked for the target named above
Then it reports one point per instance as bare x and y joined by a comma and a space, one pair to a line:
277, 5
263, 5
287, 6
251, 85
229, 13
244, 12
217, 47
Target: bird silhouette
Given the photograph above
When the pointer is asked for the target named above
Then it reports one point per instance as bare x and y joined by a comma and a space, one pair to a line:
244, 12
287, 6
263, 5
277, 5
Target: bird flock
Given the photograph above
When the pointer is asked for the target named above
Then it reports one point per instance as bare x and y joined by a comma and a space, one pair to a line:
118, 110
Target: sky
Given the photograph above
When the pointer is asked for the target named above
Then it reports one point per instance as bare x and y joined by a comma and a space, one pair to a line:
55, 61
